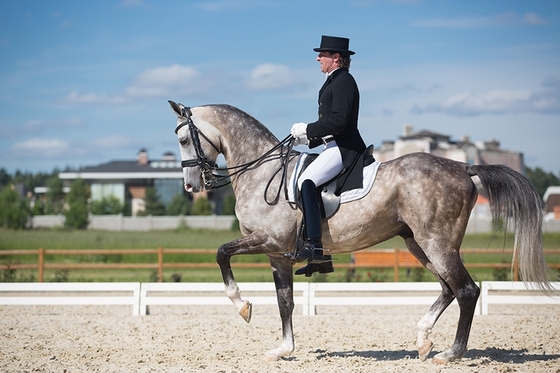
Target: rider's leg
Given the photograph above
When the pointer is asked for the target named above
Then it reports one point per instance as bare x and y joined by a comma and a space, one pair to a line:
312, 251
313, 248
323, 169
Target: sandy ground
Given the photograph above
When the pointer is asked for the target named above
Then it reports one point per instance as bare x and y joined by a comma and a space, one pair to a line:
215, 339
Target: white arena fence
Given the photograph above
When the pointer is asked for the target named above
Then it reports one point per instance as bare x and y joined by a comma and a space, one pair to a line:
307, 295
477, 224
213, 293
514, 292
71, 293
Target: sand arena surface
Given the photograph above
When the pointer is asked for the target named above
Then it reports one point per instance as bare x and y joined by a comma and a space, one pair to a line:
216, 339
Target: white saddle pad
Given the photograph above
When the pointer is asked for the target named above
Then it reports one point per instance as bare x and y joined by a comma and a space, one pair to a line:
370, 172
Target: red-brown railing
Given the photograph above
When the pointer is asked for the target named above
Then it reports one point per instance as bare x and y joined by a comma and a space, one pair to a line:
380, 258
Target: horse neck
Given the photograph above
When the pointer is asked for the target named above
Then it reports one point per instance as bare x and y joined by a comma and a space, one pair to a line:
243, 138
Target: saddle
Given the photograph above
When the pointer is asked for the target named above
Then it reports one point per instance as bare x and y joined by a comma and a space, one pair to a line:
330, 197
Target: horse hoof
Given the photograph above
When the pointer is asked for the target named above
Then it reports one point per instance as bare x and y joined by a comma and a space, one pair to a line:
246, 311
445, 357
441, 360
424, 350
277, 353
270, 358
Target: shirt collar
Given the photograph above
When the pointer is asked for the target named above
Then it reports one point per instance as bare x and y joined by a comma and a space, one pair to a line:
327, 75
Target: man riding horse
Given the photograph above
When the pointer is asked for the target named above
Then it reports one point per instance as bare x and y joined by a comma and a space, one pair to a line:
337, 130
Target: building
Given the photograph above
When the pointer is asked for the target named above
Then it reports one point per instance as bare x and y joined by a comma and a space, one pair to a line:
128, 180
487, 152
552, 202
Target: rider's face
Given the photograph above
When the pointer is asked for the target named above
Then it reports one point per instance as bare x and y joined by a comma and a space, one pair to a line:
328, 61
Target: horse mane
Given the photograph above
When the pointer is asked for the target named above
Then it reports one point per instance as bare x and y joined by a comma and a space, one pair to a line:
239, 121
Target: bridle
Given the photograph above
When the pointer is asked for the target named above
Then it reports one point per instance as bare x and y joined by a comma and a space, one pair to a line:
207, 166
210, 170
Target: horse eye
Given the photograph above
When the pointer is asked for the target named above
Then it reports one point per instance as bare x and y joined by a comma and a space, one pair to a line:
184, 142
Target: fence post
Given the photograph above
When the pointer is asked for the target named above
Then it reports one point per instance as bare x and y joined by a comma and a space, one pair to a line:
515, 260
41, 265
515, 268
396, 265
160, 264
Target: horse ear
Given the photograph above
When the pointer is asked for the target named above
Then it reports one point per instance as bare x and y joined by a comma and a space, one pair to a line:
176, 108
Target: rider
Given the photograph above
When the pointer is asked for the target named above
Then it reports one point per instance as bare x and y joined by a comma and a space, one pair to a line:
337, 130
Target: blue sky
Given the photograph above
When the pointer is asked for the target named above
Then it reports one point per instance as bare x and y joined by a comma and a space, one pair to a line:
87, 82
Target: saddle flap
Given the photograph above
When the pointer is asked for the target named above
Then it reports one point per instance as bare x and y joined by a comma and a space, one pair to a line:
329, 200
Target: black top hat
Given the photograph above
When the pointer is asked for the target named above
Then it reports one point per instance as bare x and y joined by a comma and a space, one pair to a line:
334, 44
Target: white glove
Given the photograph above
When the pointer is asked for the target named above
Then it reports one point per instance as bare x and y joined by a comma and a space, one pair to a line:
299, 133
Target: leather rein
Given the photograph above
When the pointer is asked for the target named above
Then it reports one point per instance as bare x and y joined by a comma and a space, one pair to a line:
210, 172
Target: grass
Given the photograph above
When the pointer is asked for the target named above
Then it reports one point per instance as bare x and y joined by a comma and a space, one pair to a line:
209, 239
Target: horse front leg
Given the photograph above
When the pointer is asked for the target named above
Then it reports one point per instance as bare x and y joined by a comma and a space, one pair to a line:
284, 282
251, 244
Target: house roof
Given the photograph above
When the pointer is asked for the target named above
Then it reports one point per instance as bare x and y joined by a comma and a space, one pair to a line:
128, 170
426, 134
551, 190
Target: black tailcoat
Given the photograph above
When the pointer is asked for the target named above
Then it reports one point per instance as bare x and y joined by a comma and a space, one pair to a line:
339, 101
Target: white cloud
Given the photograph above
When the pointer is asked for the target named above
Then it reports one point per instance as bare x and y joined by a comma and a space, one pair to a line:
38, 124
113, 142
75, 97
167, 81
496, 102
504, 19
270, 76
218, 5
133, 4
159, 82
40, 147
454, 22
228, 5
534, 19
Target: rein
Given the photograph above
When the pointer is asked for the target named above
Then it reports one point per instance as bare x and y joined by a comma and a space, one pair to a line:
210, 170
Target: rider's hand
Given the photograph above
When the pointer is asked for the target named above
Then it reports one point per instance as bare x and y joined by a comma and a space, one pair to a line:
299, 133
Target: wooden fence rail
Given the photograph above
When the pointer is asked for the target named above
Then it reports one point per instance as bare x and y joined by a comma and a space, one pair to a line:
380, 258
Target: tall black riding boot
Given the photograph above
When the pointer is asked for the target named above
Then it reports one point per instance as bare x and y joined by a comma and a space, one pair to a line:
312, 251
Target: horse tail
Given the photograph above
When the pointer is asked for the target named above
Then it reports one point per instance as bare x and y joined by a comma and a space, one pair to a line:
513, 199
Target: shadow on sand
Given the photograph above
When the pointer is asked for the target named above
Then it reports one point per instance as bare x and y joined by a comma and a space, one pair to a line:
494, 354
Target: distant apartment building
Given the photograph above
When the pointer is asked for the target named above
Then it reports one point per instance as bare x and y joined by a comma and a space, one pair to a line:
480, 152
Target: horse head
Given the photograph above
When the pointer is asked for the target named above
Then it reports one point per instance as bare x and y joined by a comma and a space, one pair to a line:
199, 148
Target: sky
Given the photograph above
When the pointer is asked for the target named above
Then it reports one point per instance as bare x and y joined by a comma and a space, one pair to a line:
87, 82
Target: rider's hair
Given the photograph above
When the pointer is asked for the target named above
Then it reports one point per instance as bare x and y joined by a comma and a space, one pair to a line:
344, 61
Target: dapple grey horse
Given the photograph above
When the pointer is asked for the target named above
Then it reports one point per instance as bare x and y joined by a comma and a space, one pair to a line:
424, 199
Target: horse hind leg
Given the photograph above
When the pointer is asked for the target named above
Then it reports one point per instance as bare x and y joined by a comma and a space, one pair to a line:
467, 293
426, 324
456, 280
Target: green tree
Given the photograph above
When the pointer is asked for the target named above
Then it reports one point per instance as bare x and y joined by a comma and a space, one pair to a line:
77, 201
229, 205
54, 197
179, 205
14, 210
4, 177
542, 180
201, 206
29, 180
109, 205
152, 204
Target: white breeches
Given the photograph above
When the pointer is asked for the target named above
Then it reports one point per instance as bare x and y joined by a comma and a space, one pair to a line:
325, 167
